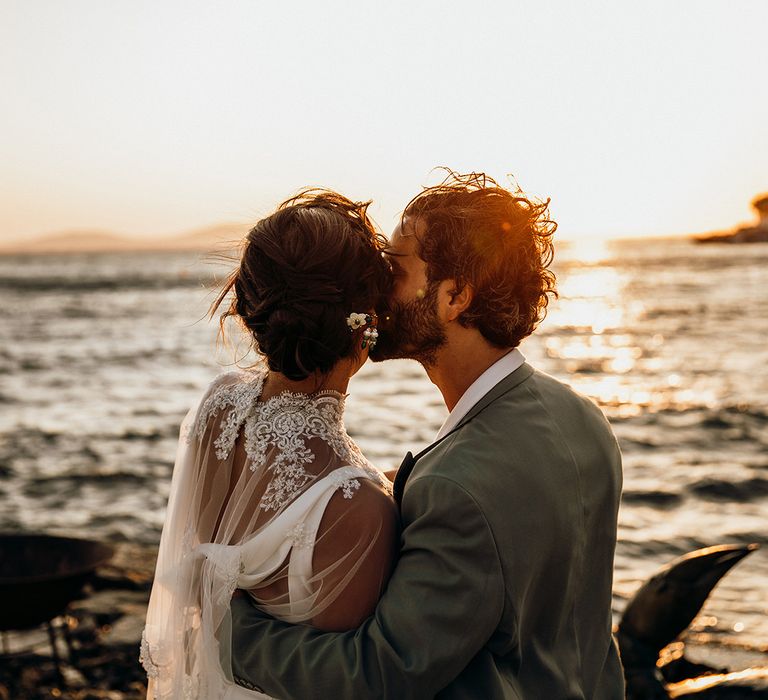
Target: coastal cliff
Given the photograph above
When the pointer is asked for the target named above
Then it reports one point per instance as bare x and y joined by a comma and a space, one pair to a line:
745, 234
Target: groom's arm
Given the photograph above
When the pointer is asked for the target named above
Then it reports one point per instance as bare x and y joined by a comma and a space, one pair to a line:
443, 602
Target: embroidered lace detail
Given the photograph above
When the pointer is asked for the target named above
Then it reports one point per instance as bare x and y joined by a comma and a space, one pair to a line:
186, 431
301, 536
192, 687
188, 539
385, 483
240, 398
374, 474
232, 573
349, 486
348, 480
226, 563
286, 422
281, 427
145, 657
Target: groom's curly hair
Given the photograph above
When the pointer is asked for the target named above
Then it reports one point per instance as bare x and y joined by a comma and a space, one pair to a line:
497, 241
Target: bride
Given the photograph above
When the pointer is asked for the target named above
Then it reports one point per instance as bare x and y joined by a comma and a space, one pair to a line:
269, 494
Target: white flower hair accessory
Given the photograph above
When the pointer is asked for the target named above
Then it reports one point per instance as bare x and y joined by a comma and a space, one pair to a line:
355, 321
370, 334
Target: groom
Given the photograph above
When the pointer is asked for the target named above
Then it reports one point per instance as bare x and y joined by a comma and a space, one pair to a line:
503, 585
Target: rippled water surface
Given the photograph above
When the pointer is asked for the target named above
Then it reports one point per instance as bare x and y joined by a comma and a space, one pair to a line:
101, 355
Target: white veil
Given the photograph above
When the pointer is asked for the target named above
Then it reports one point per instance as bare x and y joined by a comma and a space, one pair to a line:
249, 508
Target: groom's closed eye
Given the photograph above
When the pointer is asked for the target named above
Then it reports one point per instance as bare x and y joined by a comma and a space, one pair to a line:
397, 269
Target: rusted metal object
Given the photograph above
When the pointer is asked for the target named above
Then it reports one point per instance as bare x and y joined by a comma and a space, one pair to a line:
41, 574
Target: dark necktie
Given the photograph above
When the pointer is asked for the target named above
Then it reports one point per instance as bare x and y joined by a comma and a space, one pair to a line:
406, 467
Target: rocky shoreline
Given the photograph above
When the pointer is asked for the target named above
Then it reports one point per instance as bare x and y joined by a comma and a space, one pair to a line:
744, 234
105, 632
104, 629
750, 234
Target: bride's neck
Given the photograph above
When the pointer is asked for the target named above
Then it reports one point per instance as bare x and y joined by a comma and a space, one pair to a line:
336, 380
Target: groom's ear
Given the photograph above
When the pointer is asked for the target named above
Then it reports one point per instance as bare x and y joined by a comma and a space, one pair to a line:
459, 300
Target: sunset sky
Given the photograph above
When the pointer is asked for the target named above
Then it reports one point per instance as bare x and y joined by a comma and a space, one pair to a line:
159, 117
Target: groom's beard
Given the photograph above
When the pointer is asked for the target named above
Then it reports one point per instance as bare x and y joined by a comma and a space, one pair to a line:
413, 332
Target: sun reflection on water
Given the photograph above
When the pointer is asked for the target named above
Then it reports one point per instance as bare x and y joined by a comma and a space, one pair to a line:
588, 250
602, 340
596, 343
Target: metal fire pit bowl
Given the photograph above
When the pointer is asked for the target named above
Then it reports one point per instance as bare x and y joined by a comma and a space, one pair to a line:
41, 574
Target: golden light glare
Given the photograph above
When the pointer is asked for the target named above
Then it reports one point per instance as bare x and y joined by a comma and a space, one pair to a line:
589, 250
598, 345
142, 166
704, 682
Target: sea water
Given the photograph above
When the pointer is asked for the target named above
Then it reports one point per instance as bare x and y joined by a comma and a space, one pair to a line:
102, 354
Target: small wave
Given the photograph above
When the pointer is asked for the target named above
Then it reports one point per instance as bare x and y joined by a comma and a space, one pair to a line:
77, 312
638, 443
108, 521
66, 485
679, 313
146, 412
759, 538
717, 422
721, 490
49, 437
660, 499
731, 422
82, 442
586, 366
720, 417
150, 436
731, 415
662, 551
31, 364
75, 284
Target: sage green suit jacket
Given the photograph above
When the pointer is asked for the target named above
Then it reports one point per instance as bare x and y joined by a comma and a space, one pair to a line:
503, 585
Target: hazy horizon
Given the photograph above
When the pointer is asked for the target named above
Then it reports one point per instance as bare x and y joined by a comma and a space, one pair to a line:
158, 119
204, 236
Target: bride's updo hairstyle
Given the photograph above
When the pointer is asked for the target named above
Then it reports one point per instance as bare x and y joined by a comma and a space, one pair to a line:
302, 271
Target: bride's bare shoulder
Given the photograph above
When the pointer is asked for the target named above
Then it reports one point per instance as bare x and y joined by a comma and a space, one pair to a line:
357, 544
359, 519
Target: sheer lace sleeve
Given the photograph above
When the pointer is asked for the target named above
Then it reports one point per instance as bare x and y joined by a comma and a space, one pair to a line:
273, 497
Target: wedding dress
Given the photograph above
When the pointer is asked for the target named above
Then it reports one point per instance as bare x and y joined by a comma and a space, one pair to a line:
250, 489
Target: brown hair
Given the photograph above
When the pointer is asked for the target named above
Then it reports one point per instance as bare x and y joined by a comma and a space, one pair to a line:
495, 240
303, 270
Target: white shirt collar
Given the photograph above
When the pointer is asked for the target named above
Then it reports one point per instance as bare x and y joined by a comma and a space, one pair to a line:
500, 369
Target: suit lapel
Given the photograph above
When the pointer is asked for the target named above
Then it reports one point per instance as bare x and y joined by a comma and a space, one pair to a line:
509, 382
409, 461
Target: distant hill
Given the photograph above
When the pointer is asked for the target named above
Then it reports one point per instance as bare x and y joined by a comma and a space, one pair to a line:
220, 237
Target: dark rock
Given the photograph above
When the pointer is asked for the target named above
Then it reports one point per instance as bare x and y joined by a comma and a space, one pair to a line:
104, 630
